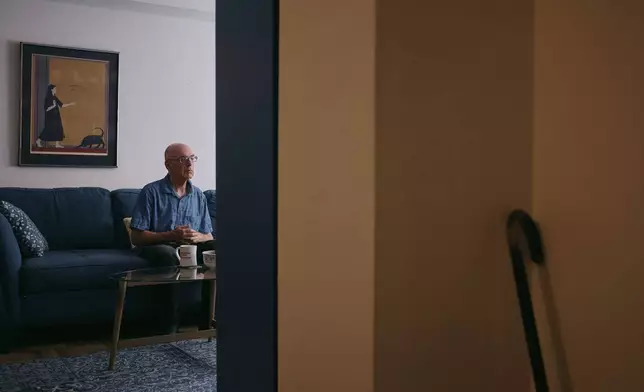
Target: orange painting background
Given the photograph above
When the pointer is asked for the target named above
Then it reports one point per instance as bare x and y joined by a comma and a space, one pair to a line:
82, 82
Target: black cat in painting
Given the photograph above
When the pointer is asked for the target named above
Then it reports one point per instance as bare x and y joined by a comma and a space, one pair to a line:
94, 140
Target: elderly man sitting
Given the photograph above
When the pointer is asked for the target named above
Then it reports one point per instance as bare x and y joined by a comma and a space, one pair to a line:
170, 212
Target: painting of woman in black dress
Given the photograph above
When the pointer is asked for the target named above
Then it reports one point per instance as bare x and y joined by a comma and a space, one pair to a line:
69, 106
53, 130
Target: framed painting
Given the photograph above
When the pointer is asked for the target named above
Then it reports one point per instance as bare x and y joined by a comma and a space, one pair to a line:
69, 107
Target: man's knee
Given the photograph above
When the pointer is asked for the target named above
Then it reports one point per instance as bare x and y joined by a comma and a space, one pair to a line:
204, 246
162, 255
208, 245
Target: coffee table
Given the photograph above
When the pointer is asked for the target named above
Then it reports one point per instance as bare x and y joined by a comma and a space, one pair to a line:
157, 277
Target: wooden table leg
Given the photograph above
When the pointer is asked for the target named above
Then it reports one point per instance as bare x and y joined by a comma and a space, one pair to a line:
118, 318
213, 297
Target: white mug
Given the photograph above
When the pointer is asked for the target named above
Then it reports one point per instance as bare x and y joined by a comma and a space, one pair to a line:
187, 255
210, 259
188, 273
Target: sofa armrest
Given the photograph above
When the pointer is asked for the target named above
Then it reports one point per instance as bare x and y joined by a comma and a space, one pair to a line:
10, 263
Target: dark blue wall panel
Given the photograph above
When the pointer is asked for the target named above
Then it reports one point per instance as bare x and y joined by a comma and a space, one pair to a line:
246, 195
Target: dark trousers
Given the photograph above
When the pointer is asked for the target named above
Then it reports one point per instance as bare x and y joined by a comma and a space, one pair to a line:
165, 255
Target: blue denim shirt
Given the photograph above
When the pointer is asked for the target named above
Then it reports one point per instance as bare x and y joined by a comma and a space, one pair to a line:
159, 208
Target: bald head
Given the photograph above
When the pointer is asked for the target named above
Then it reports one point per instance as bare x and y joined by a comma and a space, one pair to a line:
180, 162
177, 150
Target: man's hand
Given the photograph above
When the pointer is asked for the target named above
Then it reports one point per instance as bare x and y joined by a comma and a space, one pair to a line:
181, 233
198, 237
188, 235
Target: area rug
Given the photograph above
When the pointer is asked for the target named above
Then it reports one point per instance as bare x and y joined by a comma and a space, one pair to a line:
178, 367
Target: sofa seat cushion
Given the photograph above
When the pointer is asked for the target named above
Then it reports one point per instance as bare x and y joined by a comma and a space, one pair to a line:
76, 269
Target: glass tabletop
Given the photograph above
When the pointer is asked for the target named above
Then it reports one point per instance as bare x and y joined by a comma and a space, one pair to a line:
167, 274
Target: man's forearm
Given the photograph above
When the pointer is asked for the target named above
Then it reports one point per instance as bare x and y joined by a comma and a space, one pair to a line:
143, 238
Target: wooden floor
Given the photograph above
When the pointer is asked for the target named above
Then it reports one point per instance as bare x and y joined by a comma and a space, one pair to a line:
73, 349
54, 350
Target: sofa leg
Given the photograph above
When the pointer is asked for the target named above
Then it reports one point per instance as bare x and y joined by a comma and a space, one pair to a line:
8, 339
4, 344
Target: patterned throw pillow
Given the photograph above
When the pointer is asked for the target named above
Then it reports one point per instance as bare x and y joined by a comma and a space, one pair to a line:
31, 241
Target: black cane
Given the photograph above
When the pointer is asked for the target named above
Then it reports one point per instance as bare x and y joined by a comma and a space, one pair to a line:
522, 230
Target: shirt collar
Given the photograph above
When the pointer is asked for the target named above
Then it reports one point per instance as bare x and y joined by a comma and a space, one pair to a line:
167, 186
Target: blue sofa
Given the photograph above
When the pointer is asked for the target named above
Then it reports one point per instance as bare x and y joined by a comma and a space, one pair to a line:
70, 285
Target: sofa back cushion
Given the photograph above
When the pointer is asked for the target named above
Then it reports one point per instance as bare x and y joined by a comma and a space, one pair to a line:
123, 201
69, 218
211, 198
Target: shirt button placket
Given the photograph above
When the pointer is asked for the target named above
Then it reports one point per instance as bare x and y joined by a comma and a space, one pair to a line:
174, 211
180, 211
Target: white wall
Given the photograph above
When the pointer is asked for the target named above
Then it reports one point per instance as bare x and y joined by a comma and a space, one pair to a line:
167, 86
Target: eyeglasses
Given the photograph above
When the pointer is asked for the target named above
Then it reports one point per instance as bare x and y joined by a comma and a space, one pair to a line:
185, 160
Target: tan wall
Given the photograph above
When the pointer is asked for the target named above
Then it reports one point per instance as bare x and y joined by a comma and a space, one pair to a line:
326, 195
453, 134
588, 188
454, 129
453, 157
